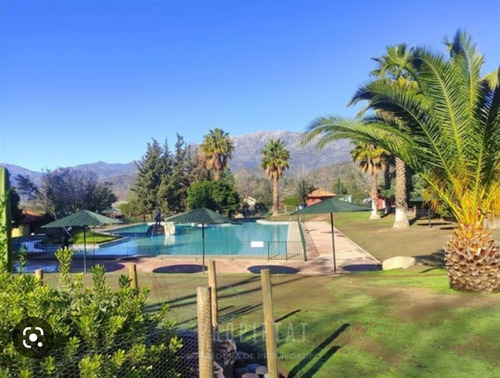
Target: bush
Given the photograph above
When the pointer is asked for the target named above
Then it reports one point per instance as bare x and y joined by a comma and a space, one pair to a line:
214, 195
97, 331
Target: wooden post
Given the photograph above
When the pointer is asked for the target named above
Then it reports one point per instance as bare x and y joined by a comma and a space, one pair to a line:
212, 283
39, 276
205, 351
132, 274
267, 302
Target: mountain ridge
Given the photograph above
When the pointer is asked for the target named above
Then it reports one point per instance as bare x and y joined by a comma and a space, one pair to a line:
246, 156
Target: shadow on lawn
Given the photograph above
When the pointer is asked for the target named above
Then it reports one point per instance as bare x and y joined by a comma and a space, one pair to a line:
274, 269
362, 267
319, 351
435, 259
180, 268
191, 299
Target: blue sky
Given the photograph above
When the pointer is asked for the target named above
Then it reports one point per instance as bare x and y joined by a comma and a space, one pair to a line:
84, 81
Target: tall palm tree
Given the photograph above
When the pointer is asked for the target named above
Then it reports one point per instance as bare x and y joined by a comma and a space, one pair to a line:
216, 151
371, 159
275, 160
448, 131
395, 65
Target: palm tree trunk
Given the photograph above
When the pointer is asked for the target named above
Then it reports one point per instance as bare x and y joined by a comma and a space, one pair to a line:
275, 196
401, 218
387, 185
216, 174
373, 195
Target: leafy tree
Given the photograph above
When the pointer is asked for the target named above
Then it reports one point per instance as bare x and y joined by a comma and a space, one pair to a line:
216, 150
15, 200
97, 331
339, 188
215, 195
151, 168
371, 159
197, 169
304, 187
448, 131
175, 179
275, 160
64, 191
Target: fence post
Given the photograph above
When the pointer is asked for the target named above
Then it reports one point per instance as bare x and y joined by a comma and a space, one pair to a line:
212, 283
267, 302
132, 274
39, 276
205, 352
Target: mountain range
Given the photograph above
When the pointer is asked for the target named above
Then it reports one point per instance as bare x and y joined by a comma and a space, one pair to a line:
246, 156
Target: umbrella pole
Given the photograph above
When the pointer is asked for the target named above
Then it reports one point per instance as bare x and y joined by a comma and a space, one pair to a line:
84, 251
203, 248
333, 245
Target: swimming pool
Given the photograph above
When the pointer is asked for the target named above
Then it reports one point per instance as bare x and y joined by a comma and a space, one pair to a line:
270, 240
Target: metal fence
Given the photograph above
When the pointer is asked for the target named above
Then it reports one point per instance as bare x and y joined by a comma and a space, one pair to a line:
221, 249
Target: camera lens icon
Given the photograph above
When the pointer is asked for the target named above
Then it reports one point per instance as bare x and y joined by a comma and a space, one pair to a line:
33, 337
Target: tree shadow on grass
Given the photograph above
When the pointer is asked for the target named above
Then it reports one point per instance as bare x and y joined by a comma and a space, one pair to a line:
362, 267
238, 312
435, 259
110, 266
326, 354
274, 269
180, 268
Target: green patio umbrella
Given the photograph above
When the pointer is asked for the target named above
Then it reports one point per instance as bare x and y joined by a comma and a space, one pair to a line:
204, 216
330, 206
83, 219
6, 217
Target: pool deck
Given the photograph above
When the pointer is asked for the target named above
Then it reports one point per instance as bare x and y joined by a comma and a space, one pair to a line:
349, 258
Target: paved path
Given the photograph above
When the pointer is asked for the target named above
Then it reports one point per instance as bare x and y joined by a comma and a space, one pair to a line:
349, 257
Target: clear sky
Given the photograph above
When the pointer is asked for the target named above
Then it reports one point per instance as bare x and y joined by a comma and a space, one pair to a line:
84, 81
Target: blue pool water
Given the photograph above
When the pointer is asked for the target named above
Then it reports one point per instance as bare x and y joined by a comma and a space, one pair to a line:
248, 239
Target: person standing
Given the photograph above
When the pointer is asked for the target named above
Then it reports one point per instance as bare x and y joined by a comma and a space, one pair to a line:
158, 217
65, 235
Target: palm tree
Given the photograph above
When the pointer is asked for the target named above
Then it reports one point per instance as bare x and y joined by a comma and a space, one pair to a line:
275, 160
216, 151
394, 65
448, 131
371, 159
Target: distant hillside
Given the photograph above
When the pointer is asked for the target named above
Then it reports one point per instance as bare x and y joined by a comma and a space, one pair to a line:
15, 170
245, 157
247, 151
121, 176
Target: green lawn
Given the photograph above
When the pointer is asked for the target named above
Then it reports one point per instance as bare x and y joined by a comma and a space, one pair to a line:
92, 237
396, 323
382, 241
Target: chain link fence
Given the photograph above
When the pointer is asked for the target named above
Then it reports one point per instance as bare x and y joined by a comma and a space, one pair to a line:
167, 351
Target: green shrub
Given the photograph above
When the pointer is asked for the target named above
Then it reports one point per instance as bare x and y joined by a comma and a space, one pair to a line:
97, 331
292, 201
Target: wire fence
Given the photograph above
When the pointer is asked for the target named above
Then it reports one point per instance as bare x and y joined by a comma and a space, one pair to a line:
158, 352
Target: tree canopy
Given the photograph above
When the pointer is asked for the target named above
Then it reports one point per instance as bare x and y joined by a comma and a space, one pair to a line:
214, 195
64, 191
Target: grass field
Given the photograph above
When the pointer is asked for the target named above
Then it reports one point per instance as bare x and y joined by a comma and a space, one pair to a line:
386, 324
77, 237
396, 323
382, 241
